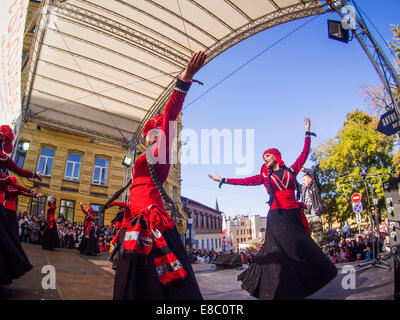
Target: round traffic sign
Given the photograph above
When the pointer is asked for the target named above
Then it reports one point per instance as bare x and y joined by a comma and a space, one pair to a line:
356, 197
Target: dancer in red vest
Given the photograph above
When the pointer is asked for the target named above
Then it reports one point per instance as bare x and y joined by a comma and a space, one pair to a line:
50, 239
13, 260
124, 210
89, 244
11, 203
154, 264
290, 265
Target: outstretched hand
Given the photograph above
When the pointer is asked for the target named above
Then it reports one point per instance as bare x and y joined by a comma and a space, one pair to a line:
308, 123
216, 178
194, 65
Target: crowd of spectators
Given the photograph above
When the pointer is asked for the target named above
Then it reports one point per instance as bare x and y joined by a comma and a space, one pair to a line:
70, 233
355, 246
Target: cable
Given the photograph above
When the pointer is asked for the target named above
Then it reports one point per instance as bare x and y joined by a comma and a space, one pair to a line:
184, 26
255, 57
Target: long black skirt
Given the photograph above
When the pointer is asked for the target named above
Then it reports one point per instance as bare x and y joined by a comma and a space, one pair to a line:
50, 239
89, 245
136, 277
13, 260
290, 265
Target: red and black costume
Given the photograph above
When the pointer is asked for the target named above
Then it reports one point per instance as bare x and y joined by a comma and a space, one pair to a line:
50, 239
153, 264
124, 210
289, 265
11, 203
13, 260
89, 244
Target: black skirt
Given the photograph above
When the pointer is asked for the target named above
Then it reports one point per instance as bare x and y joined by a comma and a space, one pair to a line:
50, 239
13, 260
136, 278
89, 245
290, 265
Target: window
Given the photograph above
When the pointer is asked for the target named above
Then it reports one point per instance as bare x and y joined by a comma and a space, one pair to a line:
196, 219
202, 244
45, 163
100, 172
100, 221
174, 193
73, 167
208, 244
219, 242
207, 222
38, 206
202, 221
67, 209
212, 243
20, 154
23, 55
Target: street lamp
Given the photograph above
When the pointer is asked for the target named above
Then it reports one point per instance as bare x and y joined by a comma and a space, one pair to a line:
25, 145
127, 161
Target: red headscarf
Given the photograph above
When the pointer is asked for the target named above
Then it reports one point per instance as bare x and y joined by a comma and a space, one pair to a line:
7, 136
277, 155
153, 123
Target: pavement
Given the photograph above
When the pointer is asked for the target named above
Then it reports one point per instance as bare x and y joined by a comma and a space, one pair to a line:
81, 277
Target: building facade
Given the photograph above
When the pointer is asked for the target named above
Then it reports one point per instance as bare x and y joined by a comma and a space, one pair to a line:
206, 223
243, 229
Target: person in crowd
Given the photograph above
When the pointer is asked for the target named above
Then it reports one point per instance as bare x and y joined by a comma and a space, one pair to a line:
162, 250
284, 269
311, 196
89, 244
13, 260
50, 239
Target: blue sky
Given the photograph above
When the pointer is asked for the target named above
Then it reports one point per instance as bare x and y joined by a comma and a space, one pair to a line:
306, 75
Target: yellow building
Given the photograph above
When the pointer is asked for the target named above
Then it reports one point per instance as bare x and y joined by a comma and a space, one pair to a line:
73, 168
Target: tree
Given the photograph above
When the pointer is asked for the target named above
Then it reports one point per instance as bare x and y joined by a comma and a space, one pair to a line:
378, 100
358, 149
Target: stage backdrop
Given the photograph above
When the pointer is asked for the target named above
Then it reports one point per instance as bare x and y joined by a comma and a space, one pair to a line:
12, 25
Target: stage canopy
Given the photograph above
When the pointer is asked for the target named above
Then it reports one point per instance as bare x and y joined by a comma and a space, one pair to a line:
102, 68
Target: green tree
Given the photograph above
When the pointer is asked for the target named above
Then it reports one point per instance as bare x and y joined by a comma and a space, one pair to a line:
358, 149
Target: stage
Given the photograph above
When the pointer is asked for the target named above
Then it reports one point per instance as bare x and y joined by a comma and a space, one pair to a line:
80, 277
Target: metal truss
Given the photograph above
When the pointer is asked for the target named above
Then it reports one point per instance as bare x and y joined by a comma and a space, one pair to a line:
76, 130
268, 21
376, 55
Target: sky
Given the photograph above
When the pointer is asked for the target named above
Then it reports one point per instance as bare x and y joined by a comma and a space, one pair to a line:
305, 75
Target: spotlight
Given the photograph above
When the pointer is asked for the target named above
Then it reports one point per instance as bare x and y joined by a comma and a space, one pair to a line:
127, 161
337, 32
25, 145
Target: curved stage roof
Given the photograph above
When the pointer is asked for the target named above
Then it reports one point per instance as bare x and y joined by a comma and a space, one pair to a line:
102, 68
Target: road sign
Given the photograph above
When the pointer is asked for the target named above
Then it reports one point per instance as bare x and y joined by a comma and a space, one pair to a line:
356, 197
358, 218
357, 207
389, 123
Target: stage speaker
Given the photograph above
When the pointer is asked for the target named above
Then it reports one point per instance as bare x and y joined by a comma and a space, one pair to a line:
228, 261
391, 189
